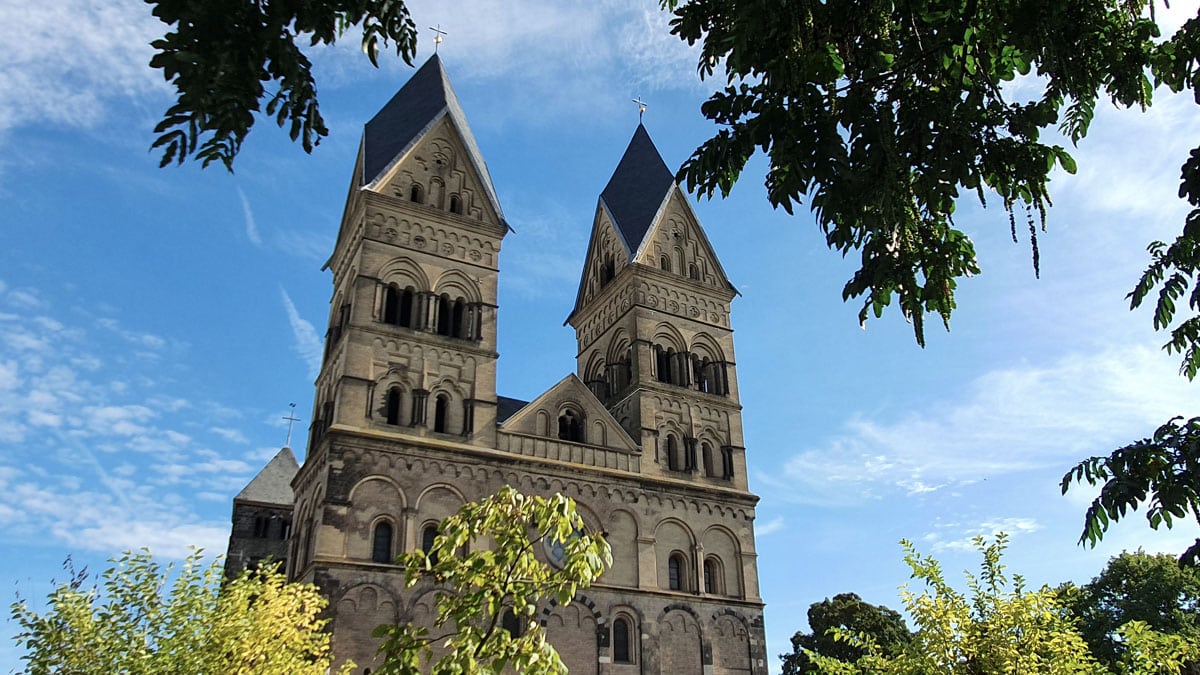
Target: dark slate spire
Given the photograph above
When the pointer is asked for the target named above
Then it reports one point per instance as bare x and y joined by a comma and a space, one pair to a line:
637, 189
272, 485
419, 104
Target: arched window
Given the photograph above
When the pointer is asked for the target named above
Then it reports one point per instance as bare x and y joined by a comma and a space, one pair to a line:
693, 272
706, 454
607, 270
664, 364
712, 576
381, 543
455, 204
417, 193
441, 411
427, 536
620, 642
393, 406
570, 426
444, 315
405, 317
511, 623
727, 463
673, 462
391, 305
458, 324
675, 572
665, 263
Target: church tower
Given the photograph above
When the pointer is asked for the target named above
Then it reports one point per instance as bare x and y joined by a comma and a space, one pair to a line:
407, 424
652, 322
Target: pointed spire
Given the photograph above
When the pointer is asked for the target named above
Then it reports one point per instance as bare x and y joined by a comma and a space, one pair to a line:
423, 101
637, 188
272, 485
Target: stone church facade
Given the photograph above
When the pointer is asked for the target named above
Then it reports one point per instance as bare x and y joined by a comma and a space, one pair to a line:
645, 436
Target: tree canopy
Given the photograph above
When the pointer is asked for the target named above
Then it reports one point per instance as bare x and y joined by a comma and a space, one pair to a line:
850, 614
155, 620
499, 574
999, 627
1138, 586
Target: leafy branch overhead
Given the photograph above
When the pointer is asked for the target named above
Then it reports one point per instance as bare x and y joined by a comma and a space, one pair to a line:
883, 114
1162, 471
230, 60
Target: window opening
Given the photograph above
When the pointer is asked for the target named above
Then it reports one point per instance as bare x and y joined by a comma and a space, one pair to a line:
621, 641
710, 576
455, 204
665, 263
417, 193
441, 411
392, 305
444, 316
511, 623
707, 456
672, 454
570, 426
727, 463
675, 573
427, 537
393, 406
381, 546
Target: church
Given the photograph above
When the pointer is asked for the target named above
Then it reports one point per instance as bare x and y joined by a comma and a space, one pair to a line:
407, 424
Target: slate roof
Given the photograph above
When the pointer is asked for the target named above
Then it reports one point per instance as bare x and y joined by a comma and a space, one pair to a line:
637, 189
396, 128
273, 485
507, 407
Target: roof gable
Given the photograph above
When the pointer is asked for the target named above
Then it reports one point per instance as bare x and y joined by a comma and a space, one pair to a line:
599, 426
396, 129
273, 485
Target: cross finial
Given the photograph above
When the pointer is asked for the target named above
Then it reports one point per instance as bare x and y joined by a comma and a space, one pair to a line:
641, 108
437, 36
290, 419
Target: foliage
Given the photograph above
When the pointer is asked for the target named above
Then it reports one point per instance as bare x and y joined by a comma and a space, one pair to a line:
1163, 471
848, 613
500, 573
882, 114
229, 59
1152, 589
153, 620
1001, 627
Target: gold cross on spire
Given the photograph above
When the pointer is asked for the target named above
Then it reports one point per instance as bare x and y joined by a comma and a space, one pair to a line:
641, 108
437, 36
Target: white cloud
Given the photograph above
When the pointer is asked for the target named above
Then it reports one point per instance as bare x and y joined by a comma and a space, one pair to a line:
959, 537
770, 527
251, 227
52, 74
1008, 420
307, 343
231, 435
82, 464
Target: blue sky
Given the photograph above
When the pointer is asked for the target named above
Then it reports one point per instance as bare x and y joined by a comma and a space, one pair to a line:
155, 324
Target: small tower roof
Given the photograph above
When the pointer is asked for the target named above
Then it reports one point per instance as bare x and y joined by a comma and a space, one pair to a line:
637, 189
396, 128
273, 485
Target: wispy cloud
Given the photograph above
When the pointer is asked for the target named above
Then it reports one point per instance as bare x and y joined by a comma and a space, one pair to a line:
1008, 420
770, 527
251, 227
52, 75
308, 343
91, 464
955, 536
